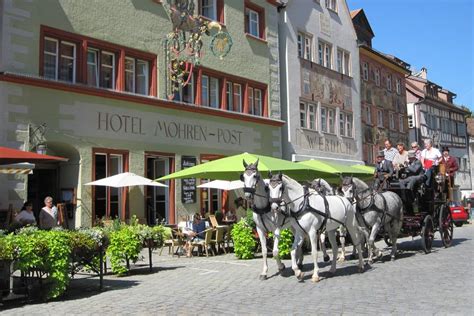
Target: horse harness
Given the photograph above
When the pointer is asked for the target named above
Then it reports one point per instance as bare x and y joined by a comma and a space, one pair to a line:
305, 207
371, 207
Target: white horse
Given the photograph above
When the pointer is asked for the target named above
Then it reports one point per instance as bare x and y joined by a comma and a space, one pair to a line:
266, 221
311, 214
375, 210
322, 187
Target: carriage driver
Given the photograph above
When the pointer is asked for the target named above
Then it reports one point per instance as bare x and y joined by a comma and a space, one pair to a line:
413, 172
383, 171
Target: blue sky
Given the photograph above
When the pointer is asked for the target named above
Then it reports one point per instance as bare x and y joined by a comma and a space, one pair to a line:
436, 34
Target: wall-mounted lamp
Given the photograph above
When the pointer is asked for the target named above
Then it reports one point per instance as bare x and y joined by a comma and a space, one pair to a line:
41, 149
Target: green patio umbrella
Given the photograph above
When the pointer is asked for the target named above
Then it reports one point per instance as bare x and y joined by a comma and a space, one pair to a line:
369, 170
230, 168
336, 170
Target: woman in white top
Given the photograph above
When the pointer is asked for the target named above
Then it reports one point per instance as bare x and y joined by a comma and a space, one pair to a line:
48, 217
430, 157
401, 158
26, 216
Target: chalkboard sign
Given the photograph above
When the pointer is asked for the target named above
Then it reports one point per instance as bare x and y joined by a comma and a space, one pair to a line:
188, 186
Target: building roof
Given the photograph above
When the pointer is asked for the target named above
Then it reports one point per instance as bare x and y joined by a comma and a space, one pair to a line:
359, 14
400, 66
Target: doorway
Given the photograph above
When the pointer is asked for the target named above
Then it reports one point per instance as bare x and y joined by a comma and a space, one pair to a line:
157, 198
42, 183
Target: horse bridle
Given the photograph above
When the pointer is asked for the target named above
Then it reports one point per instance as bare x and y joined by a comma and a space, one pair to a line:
252, 190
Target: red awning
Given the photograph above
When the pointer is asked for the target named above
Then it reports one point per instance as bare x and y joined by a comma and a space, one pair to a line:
10, 155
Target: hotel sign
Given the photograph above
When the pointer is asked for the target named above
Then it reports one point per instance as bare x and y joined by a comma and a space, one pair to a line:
113, 123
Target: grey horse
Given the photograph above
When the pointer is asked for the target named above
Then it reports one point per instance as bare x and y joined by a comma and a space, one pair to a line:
375, 211
256, 192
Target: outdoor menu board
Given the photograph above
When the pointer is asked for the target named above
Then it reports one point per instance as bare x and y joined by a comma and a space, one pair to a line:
188, 186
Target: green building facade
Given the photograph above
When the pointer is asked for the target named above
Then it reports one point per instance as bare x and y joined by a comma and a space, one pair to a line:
88, 79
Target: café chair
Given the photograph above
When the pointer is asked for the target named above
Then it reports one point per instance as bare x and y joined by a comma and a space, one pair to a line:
219, 239
204, 244
177, 240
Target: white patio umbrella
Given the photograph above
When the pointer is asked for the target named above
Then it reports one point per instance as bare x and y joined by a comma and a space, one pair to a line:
223, 185
126, 179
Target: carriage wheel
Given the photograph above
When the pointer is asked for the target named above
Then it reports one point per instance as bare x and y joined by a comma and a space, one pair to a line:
445, 226
427, 234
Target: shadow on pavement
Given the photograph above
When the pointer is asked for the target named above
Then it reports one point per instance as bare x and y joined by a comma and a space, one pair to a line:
78, 289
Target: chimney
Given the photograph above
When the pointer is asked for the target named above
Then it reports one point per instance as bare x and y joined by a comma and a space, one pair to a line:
424, 73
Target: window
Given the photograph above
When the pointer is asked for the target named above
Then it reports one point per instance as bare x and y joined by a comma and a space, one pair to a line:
349, 125
253, 26
312, 116
186, 93
343, 62
209, 9
254, 20
377, 77
59, 60
365, 71
401, 124
332, 5
306, 82
379, 118
229, 95
303, 115
342, 124
325, 54
391, 120
108, 200
250, 99
205, 90
324, 125
107, 70
331, 123
257, 104
305, 44
136, 75
389, 82
368, 114
237, 97
398, 84
214, 93
129, 74
345, 124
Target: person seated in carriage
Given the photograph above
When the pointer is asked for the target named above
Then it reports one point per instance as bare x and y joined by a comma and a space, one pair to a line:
383, 172
413, 173
430, 159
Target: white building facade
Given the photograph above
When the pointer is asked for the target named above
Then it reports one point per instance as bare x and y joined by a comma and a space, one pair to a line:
320, 82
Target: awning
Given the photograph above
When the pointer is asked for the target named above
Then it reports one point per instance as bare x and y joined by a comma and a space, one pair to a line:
10, 155
17, 168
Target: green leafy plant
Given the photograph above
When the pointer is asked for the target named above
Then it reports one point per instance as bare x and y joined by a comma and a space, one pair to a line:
285, 243
249, 219
7, 248
244, 243
125, 244
47, 251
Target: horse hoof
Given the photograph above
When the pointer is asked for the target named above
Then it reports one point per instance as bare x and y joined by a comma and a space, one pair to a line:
392, 258
361, 269
326, 258
262, 277
315, 279
370, 262
300, 277
281, 268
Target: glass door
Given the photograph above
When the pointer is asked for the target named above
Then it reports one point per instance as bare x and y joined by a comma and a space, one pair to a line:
157, 197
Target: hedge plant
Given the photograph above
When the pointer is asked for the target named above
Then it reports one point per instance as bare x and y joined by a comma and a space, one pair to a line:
285, 243
244, 242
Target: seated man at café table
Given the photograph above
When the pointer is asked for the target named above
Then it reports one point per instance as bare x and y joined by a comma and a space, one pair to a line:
196, 233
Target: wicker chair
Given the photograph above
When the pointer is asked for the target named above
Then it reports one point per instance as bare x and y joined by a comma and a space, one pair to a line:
204, 244
177, 240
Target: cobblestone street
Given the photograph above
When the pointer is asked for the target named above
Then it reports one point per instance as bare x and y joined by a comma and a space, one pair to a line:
438, 283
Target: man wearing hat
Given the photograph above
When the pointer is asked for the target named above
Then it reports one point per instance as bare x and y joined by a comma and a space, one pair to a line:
383, 171
412, 175
413, 172
451, 165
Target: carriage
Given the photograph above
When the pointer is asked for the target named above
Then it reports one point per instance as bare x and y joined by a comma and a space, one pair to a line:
426, 210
